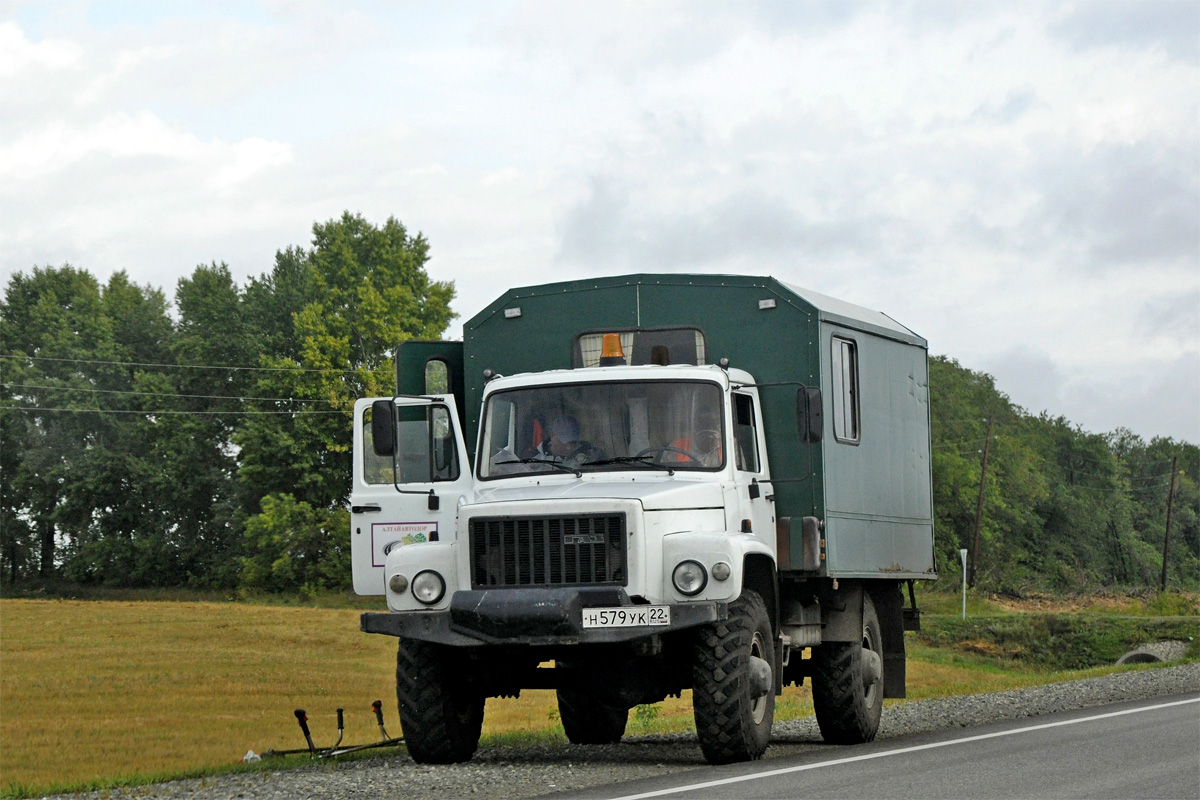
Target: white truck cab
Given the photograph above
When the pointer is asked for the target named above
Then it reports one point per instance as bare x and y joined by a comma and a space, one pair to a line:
653, 479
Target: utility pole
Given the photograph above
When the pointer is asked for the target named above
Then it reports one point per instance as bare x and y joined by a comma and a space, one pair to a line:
987, 443
1162, 585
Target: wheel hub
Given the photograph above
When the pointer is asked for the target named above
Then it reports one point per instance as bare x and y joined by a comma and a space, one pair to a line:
760, 679
872, 667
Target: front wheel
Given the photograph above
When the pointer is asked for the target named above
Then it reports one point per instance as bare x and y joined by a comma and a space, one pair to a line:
441, 717
847, 685
733, 683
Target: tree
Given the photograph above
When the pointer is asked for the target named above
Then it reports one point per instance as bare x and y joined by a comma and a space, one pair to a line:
358, 293
351, 299
54, 335
292, 545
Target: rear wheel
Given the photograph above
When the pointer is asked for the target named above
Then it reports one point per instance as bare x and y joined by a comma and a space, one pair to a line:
441, 717
847, 685
733, 683
588, 721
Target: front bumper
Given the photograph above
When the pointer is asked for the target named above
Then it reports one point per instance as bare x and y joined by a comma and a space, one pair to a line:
532, 617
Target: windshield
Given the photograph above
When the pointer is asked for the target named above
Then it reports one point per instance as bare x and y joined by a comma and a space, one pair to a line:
583, 427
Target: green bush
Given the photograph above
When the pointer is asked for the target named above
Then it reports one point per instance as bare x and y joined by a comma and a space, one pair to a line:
1055, 641
293, 545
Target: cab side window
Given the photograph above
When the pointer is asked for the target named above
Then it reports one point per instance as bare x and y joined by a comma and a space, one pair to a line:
437, 377
745, 432
426, 448
846, 417
445, 454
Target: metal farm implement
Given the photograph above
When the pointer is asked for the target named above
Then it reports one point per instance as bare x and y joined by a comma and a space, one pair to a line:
336, 749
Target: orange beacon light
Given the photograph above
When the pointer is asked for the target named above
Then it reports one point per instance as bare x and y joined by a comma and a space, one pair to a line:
611, 353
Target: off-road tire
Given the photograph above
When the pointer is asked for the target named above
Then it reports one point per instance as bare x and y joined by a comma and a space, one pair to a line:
731, 724
441, 718
847, 709
588, 721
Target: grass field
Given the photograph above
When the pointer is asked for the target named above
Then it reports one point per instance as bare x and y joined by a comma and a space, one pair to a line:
97, 690
100, 692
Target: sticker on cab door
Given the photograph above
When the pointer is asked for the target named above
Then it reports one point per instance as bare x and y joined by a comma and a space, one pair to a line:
385, 536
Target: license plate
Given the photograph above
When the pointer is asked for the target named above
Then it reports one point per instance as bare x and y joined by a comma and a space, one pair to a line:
626, 616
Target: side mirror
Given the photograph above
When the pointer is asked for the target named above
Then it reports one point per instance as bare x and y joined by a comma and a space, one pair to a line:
383, 427
810, 418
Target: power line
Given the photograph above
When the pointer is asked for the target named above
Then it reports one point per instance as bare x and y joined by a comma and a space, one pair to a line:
163, 394
167, 413
967, 444
1135, 481
178, 366
1142, 483
970, 451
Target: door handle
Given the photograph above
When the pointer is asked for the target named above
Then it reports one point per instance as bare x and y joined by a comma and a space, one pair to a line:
364, 509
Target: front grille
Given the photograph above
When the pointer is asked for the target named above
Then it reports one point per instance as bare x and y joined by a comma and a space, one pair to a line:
588, 549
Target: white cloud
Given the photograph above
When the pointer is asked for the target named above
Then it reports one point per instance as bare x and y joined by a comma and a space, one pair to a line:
58, 147
247, 158
1006, 179
124, 65
1156, 399
18, 54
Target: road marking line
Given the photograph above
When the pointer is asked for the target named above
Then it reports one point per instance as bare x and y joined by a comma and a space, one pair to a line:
900, 751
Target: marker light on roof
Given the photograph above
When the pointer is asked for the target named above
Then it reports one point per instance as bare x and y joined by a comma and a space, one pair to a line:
611, 353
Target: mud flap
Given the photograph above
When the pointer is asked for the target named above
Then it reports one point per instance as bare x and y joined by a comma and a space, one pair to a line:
843, 623
889, 607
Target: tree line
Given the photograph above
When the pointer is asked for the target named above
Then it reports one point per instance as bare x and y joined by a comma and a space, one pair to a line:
1062, 509
204, 441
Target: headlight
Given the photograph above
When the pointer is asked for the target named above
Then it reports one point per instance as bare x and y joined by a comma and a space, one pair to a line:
689, 577
398, 583
428, 587
721, 571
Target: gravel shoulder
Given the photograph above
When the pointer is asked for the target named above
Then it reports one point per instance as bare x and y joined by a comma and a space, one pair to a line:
520, 772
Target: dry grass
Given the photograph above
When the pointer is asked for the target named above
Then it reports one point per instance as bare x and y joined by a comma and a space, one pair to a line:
92, 692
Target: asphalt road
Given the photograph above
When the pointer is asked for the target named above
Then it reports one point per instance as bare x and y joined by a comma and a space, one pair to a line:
1147, 748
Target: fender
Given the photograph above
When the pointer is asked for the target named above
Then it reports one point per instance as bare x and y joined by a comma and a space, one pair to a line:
708, 549
411, 559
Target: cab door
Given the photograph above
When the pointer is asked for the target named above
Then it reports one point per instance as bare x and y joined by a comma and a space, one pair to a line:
752, 471
410, 474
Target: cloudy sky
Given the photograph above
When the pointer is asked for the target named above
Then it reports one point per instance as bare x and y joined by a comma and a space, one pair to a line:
1017, 182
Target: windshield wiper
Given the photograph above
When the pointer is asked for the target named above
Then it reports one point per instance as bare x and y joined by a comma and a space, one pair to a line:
644, 461
555, 464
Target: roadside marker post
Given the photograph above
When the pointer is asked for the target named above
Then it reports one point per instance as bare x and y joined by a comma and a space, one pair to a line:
963, 554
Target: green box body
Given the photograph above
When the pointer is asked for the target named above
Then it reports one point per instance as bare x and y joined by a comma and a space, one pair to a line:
874, 495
